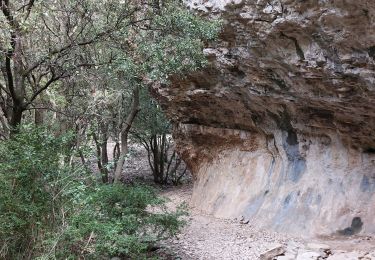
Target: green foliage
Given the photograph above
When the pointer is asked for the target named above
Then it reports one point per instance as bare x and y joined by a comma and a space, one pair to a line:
49, 210
29, 171
81, 61
153, 130
116, 220
176, 42
172, 43
150, 120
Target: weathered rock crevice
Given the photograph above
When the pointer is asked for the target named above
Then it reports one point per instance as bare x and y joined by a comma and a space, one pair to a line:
280, 127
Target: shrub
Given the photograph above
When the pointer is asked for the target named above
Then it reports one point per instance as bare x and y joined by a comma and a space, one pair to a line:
118, 220
50, 210
29, 169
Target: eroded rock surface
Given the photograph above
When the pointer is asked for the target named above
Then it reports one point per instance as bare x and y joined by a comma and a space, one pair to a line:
280, 128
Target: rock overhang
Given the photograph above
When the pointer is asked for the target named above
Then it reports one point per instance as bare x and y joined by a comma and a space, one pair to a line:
281, 125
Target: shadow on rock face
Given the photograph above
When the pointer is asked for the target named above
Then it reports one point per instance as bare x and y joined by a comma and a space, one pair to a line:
355, 228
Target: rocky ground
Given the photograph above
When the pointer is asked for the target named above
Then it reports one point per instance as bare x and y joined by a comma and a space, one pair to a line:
208, 238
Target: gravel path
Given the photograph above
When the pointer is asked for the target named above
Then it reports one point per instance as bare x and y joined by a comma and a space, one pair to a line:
206, 237
209, 238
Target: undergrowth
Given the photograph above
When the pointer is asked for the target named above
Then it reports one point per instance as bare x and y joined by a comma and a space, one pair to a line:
51, 209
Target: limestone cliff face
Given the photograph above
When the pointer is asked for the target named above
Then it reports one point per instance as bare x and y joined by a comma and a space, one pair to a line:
280, 127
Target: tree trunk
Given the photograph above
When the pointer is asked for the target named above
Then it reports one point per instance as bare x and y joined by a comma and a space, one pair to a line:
116, 153
38, 116
13, 69
41, 105
125, 133
104, 155
155, 151
16, 117
4, 125
121, 160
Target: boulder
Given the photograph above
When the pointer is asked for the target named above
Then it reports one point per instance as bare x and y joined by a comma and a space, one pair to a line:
273, 252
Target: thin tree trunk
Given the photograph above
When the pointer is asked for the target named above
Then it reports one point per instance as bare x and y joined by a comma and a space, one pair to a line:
121, 160
125, 133
98, 155
104, 154
4, 125
116, 153
163, 156
39, 113
169, 165
155, 152
39, 116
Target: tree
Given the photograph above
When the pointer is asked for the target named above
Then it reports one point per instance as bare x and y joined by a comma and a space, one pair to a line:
83, 61
124, 133
169, 42
45, 41
153, 130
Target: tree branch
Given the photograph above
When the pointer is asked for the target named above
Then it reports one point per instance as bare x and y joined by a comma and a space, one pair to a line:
64, 48
29, 6
50, 109
36, 94
94, 39
4, 4
8, 71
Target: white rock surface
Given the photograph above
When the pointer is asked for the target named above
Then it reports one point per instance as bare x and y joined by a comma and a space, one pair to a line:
272, 252
345, 256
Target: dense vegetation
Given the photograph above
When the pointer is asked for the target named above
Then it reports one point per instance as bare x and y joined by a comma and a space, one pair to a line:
52, 210
74, 77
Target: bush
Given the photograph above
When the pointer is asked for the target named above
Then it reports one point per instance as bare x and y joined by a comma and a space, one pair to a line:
153, 130
29, 169
118, 220
50, 210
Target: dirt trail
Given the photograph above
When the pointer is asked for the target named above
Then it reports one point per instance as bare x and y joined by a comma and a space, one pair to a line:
209, 238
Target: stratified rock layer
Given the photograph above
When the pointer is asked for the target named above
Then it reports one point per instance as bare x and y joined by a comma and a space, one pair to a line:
280, 127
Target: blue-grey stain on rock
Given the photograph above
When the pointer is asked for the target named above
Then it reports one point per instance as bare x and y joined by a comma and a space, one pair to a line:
287, 200
253, 206
367, 184
296, 163
355, 227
